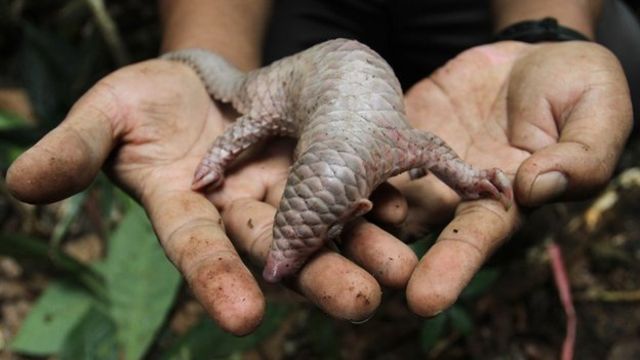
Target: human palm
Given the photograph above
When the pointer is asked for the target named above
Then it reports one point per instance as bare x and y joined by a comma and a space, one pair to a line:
553, 116
148, 125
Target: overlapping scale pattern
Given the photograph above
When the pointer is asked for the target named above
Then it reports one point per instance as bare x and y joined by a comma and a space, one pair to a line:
344, 103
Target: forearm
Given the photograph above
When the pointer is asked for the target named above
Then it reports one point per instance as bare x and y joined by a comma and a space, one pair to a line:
232, 28
579, 15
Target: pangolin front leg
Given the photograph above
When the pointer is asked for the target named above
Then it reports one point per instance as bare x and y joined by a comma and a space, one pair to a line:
226, 83
238, 137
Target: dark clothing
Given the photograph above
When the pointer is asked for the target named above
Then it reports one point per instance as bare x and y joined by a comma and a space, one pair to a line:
414, 36
418, 36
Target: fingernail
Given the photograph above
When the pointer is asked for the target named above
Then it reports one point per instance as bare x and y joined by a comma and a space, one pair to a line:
548, 186
358, 322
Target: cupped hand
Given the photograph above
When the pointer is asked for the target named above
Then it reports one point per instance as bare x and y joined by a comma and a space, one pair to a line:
554, 116
148, 126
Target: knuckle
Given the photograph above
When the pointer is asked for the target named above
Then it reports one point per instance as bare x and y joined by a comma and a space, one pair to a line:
238, 206
102, 101
252, 234
603, 169
471, 246
263, 235
192, 244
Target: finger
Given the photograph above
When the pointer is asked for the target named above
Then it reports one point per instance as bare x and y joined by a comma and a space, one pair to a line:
575, 135
434, 199
191, 232
461, 249
263, 177
69, 157
389, 206
330, 281
388, 259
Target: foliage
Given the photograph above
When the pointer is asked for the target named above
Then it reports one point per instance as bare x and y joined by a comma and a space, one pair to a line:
93, 337
53, 317
457, 317
208, 341
140, 288
15, 135
141, 283
323, 336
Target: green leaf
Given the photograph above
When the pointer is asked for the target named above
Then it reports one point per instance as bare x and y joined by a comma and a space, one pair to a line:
15, 136
431, 331
480, 283
93, 338
460, 319
26, 248
9, 120
324, 337
113, 201
54, 315
141, 283
208, 341
70, 211
8, 153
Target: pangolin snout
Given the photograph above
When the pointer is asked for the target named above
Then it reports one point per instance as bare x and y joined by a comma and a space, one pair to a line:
283, 263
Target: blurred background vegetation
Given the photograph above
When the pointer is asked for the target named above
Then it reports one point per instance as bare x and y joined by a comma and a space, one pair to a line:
84, 278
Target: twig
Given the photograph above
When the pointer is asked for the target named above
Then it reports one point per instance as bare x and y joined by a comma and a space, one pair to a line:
610, 295
109, 31
564, 291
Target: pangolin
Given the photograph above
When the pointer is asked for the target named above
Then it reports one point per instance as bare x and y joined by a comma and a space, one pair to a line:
345, 105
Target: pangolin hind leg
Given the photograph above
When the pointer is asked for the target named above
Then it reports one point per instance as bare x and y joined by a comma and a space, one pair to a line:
432, 154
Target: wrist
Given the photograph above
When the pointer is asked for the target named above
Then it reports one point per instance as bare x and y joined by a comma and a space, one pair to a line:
580, 16
535, 31
232, 28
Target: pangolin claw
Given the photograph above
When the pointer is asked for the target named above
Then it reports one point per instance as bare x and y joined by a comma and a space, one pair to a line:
499, 186
205, 177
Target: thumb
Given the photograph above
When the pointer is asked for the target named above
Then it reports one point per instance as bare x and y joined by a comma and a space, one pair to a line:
591, 133
69, 157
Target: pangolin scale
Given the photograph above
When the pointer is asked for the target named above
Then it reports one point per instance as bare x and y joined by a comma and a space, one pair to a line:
345, 105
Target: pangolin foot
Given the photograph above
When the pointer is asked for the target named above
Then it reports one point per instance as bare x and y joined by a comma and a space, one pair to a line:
494, 183
207, 177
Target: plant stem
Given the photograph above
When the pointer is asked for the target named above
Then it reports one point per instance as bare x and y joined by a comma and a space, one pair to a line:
564, 291
109, 31
610, 295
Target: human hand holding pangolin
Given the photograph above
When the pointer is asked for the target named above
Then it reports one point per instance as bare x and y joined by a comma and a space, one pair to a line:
148, 126
555, 116
344, 103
